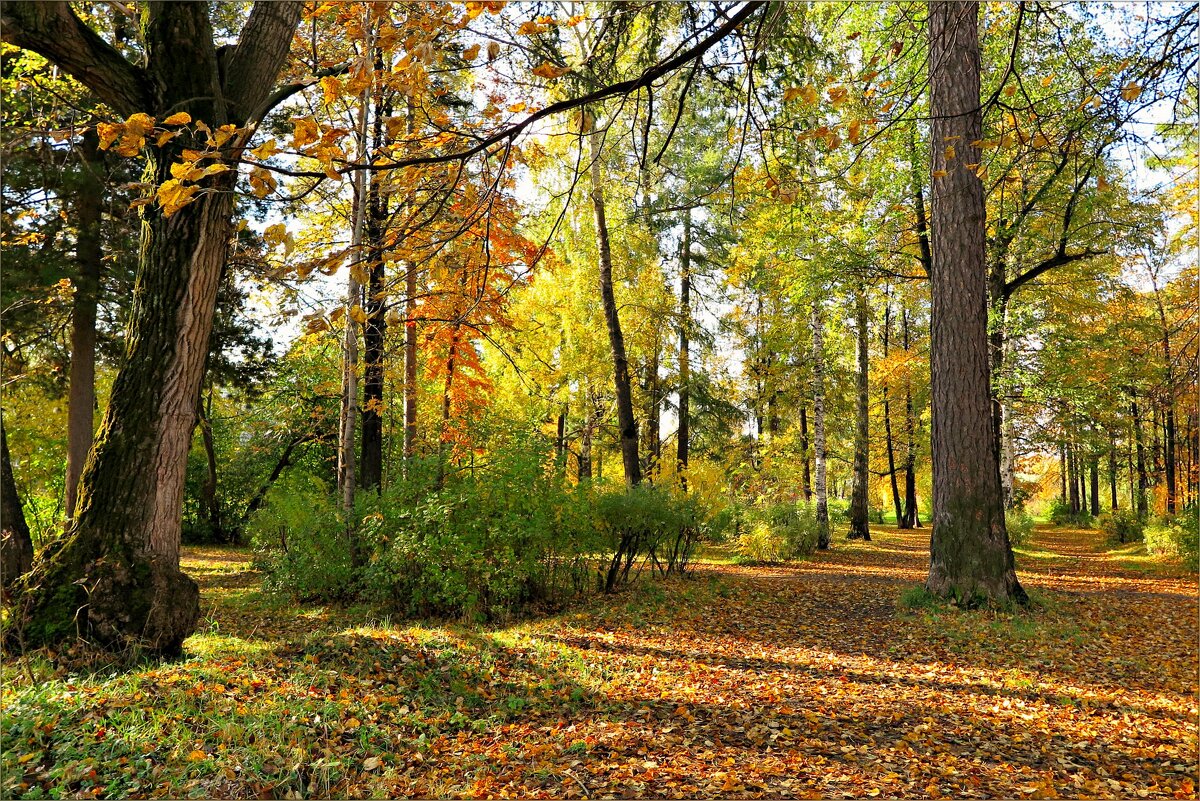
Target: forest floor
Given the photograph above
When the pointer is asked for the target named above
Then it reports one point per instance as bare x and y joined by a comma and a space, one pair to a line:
831, 677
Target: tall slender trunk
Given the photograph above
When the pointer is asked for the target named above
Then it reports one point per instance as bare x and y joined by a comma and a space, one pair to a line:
1073, 478
1094, 475
626, 422
375, 328
447, 387
685, 359
16, 545
1143, 481
818, 360
970, 554
1062, 472
653, 392
89, 201
210, 508
887, 413
560, 440
912, 518
860, 521
805, 456
1112, 470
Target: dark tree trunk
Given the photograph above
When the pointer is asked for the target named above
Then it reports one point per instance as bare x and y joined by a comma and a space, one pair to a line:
818, 357
81, 406
1094, 474
626, 423
682, 442
1073, 479
860, 521
970, 555
653, 392
114, 576
375, 328
1169, 455
1062, 472
16, 546
911, 517
887, 416
560, 440
210, 508
805, 456
1112, 471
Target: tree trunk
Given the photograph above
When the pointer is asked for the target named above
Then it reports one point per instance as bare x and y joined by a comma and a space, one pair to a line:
911, 517
627, 425
375, 329
210, 509
805, 456
1094, 474
81, 405
887, 415
970, 556
1112, 471
560, 441
447, 388
818, 358
653, 408
114, 576
16, 546
685, 363
860, 521
1062, 472
1073, 479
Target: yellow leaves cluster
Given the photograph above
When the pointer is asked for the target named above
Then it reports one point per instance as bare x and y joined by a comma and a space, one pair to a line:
550, 71
807, 93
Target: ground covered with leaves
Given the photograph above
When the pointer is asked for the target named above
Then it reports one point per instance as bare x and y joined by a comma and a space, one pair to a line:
832, 677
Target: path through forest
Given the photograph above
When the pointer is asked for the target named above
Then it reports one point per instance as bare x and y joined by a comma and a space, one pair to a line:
807, 680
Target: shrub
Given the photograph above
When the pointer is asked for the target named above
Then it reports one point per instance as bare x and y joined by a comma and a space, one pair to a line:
1019, 524
300, 540
778, 532
1121, 527
1061, 515
1177, 536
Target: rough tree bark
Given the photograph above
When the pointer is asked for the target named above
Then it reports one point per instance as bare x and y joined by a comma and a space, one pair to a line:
81, 404
375, 328
114, 576
626, 423
16, 546
860, 523
821, 488
970, 556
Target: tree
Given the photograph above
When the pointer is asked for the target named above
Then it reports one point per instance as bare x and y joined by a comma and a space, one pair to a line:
115, 575
859, 511
16, 546
970, 555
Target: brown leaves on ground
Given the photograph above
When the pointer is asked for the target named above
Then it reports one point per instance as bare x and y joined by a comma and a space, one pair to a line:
810, 680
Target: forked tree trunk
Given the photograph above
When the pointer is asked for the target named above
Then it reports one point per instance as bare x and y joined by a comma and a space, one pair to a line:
89, 202
114, 576
16, 546
970, 556
626, 423
821, 488
860, 523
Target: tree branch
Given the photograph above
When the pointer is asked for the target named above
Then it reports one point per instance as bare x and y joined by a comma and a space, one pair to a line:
1057, 260
51, 29
260, 53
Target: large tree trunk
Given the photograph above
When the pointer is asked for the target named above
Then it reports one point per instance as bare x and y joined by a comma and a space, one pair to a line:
970, 555
818, 358
685, 360
114, 576
16, 546
626, 423
860, 523
81, 404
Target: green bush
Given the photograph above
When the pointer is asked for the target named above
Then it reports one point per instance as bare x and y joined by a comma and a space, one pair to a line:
1121, 527
1177, 536
1019, 524
300, 540
778, 532
1061, 515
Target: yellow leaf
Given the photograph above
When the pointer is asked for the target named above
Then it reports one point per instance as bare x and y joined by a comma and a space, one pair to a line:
1102, 184
471, 53
950, 153
304, 132
792, 93
265, 150
332, 173
1010, 90
178, 118
359, 316
549, 71
130, 145
854, 130
493, 51
1049, 79
197, 756
517, 108
1131, 92
838, 95
173, 195
530, 28
1040, 140
939, 173
332, 88
164, 137
809, 93
262, 182
181, 169
274, 234
139, 124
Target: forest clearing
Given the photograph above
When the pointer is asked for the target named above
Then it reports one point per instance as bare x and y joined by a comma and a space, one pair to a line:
813, 680
599, 399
